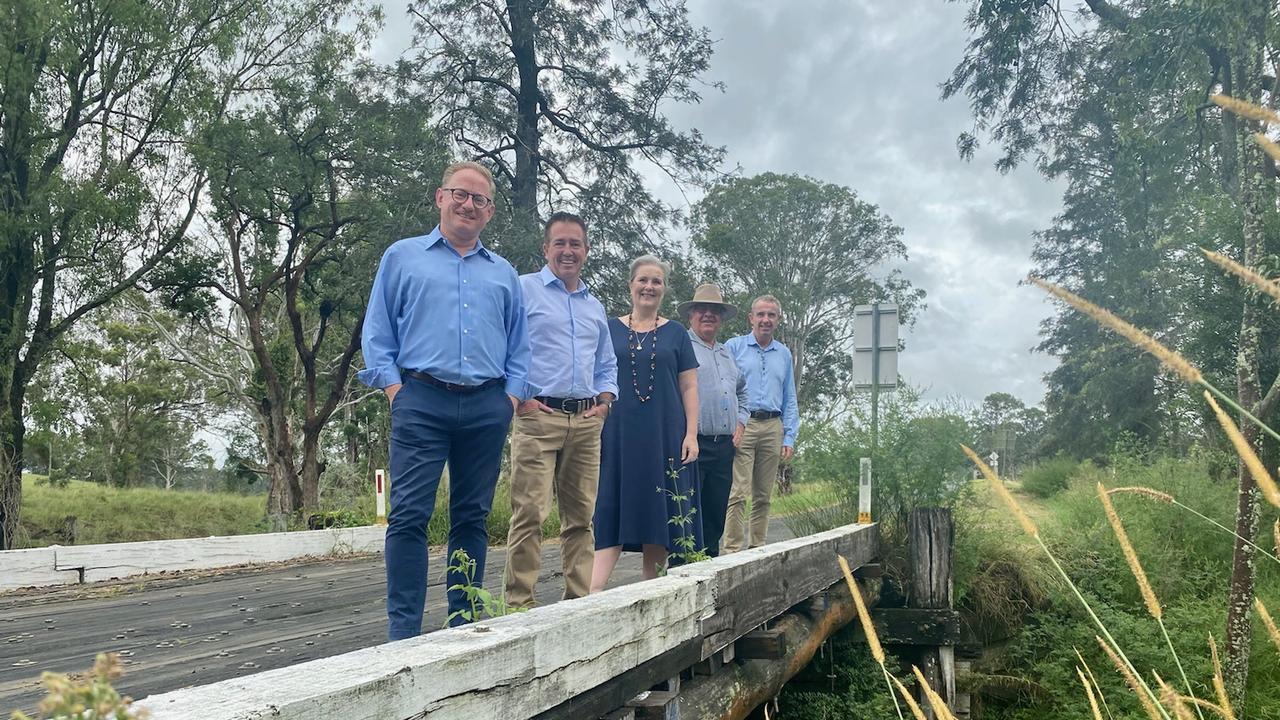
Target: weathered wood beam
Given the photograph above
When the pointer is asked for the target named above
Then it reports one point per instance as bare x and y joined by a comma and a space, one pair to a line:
762, 645
916, 626
738, 689
581, 654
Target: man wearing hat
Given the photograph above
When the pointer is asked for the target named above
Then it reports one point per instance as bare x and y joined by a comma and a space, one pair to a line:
722, 411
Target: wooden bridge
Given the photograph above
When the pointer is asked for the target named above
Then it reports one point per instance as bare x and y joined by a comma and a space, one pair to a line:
717, 638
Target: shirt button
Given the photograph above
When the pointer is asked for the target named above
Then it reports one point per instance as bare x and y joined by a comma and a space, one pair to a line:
465, 305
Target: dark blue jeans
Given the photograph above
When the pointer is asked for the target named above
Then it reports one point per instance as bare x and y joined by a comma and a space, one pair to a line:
715, 470
429, 427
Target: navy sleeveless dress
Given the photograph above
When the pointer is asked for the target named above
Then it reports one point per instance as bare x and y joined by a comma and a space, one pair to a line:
640, 466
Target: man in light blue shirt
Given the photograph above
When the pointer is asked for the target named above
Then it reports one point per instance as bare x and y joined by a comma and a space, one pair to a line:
556, 439
770, 436
722, 407
445, 337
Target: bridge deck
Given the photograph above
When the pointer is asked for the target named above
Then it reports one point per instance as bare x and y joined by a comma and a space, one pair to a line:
201, 627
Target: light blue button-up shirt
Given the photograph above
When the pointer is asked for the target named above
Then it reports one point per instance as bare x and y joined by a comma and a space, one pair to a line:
771, 385
458, 317
569, 334
722, 389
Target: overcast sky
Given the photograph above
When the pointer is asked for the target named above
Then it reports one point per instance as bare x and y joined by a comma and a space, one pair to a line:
846, 91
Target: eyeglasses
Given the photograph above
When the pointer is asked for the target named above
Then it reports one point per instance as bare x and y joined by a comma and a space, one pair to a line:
460, 196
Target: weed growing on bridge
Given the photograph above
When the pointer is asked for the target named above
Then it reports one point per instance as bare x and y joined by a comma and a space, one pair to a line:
480, 602
83, 698
687, 544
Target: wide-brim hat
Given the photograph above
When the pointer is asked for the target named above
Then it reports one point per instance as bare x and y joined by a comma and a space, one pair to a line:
707, 294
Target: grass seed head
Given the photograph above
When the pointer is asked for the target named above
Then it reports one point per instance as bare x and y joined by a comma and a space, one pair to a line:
1002, 492
1270, 287
1128, 331
1270, 624
1131, 680
1245, 109
1130, 556
1088, 691
1219, 685
1143, 491
864, 617
1246, 453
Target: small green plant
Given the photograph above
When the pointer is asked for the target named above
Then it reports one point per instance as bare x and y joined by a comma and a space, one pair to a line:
687, 545
84, 698
1049, 477
480, 602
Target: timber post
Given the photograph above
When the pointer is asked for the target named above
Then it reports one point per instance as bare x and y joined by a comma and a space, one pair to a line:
931, 533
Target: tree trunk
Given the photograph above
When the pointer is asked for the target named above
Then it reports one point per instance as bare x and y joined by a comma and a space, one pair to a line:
524, 186
1248, 387
11, 433
312, 467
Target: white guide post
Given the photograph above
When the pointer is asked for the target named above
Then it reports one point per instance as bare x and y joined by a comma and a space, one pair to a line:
864, 491
380, 490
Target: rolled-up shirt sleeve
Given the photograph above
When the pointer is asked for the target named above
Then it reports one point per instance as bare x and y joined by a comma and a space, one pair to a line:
606, 373
518, 353
379, 340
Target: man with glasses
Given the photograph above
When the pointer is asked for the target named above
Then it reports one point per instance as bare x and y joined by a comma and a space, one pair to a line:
556, 438
770, 436
445, 337
722, 407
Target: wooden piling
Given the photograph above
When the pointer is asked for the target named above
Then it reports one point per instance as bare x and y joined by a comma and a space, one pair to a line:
931, 534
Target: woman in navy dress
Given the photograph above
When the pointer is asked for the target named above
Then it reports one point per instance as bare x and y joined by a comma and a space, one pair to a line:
651, 435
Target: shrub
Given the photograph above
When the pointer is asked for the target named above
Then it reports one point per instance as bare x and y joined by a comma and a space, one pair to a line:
1049, 477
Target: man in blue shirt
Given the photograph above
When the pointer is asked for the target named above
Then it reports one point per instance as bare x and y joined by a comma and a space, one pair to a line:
722, 407
445, 336
556, 438
770, 436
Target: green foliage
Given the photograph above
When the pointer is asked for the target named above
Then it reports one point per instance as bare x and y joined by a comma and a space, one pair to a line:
842, 681
918, 462
480, 602
1049, 477
1187, 561
813, 245
106, 514
687, 550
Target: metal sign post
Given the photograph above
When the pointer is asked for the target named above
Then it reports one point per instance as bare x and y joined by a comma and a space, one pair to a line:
875, 368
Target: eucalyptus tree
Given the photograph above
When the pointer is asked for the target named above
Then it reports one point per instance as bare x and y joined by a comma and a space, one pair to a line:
565, 99
309, 181
97, 102
1088, 92
819, 249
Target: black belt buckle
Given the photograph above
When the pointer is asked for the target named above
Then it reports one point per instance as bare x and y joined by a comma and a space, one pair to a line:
568, 406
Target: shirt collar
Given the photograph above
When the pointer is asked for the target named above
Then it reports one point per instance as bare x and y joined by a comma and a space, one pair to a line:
751, 340
549, 278
713, 346
437, 238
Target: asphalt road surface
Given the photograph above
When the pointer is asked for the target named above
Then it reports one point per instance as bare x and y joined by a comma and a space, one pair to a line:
196, 628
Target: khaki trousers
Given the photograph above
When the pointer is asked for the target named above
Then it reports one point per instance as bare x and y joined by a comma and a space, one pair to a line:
560, 450
755, 470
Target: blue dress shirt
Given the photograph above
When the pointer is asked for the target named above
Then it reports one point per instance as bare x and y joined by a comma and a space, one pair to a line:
574, 355
458, 317
722, 389
771, 384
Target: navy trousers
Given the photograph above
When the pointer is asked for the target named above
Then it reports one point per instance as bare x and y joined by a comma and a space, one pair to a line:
429, 427
715, 469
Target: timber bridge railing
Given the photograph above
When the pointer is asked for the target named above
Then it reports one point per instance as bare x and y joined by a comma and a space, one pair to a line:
589, 658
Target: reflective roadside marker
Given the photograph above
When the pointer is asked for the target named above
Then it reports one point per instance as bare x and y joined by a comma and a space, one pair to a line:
864, 491
380, 489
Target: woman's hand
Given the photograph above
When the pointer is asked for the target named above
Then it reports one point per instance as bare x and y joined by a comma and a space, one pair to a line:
689, 449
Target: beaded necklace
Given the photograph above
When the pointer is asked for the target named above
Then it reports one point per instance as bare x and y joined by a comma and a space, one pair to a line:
635, 341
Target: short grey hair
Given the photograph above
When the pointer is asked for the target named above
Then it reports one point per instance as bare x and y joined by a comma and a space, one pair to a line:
768, 299
644, 260
469, 165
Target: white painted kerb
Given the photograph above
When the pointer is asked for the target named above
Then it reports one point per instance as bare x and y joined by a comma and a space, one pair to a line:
58, 565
